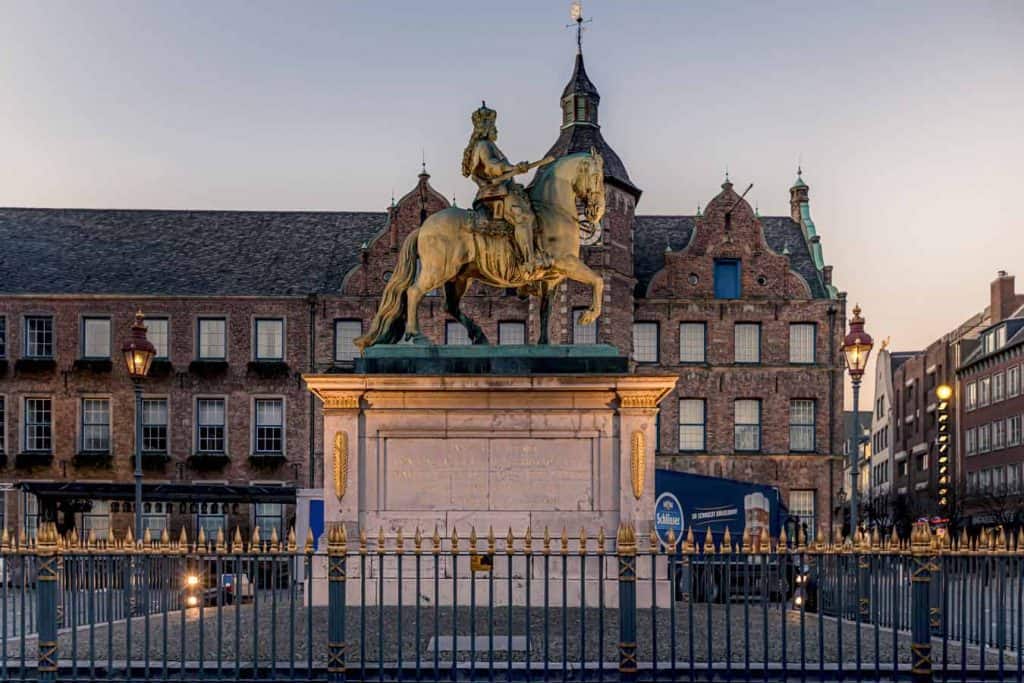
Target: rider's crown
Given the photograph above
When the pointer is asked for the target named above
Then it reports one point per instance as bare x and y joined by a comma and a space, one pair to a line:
484, 115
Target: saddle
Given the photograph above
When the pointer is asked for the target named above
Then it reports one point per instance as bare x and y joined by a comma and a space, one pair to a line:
489, 211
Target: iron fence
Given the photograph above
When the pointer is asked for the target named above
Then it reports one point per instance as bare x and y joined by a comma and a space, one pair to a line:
526, 607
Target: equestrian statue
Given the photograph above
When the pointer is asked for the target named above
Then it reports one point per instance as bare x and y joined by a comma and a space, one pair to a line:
513, 237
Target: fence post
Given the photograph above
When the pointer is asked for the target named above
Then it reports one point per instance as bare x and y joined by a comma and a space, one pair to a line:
625, 550
336, 585
47, 575
922, 559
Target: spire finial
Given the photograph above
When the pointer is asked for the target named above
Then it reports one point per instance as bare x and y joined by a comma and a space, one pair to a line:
423, 161
576, 14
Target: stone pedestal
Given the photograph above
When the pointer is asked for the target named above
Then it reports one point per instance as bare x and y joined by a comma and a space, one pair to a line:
455, 452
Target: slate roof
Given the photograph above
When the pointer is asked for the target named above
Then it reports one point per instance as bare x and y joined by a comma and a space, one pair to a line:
257, 253
654, 233
251, 253
579, 82
1014, 337
580, 137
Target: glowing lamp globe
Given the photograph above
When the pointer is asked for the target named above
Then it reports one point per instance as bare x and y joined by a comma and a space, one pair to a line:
943, 392
857, 346
138, 352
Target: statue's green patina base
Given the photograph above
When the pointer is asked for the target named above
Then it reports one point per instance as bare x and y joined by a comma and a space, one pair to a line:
520, 359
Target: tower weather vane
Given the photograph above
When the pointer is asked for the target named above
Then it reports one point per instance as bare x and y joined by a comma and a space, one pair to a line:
576, 14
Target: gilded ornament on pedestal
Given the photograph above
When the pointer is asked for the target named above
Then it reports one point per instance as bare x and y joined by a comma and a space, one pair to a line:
636, 463
340, 463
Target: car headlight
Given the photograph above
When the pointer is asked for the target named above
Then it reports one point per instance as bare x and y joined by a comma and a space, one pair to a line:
192, 580
191, 601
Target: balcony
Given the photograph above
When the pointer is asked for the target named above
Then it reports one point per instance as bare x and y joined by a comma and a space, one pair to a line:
35, 365
269, 369
267, 458
92, 459
208, 460
30, 459
208, 368
94, 365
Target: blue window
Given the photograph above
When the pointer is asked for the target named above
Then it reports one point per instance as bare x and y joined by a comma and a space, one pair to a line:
727, 279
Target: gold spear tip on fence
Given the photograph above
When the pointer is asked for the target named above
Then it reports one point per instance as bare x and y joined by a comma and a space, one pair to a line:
510, 541
583, 540
688, 544
764, 541
565, 540
547, 539
709, 542
727, 541
528, 540
455, 538
783, 544
310, 542
436, 538
275, 541
165, 539
671, 539
472, 538
399, 539
876, 539
894, 540
601, 539
626, 535
380, 539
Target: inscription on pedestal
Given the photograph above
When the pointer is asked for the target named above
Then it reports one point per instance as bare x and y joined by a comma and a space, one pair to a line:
489, 474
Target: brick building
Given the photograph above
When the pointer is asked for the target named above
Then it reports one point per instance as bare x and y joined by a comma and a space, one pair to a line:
741, 306
991, 412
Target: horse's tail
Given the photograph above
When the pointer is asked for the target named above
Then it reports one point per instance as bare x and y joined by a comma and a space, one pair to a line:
388, 323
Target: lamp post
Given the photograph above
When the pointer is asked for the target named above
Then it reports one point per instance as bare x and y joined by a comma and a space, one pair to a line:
138, 354
856, 348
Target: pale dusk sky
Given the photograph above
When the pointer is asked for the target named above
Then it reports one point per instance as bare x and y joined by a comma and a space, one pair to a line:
908, 117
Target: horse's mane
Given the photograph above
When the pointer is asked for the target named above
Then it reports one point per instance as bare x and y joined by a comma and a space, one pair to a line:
546, 170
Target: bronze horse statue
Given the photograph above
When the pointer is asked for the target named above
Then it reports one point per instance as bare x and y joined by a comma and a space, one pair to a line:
452, 249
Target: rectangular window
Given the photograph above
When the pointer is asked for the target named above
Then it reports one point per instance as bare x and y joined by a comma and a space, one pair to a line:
154, 425
1013, 381
1013, 431
3, 336
211, 522
801, 506
801, 342
269, 425
1001, 336
157, 332
30, 514
455, 334
582, 334
95, 424
39, 336
748, 342
511, 332
212, 340
998, 435
210, 425
692, 346
155, 523
345, 334
269, 339
972, 396
38, 424
645, 342
270, 518
998, 387
984, 438
3, 428
1013, 477
971, 441
984, 391
801, 425
95, 337
727, 279
692, 424
747, 424
96, 522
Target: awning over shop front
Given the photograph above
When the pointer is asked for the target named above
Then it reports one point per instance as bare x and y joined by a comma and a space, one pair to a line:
188, 493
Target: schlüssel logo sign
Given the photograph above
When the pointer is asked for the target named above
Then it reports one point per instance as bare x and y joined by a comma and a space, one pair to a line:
668, 515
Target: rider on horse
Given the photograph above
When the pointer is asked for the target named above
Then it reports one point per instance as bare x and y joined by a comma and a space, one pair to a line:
498, 194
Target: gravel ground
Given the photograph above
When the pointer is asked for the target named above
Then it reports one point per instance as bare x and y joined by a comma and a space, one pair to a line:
723, 635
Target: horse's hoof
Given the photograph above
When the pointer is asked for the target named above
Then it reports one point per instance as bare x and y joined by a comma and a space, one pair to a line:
418, 339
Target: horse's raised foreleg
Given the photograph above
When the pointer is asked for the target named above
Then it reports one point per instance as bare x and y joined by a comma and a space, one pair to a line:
577, 270
547, 299
453, 291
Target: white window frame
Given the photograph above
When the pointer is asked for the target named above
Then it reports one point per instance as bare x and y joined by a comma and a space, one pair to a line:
258, 322
747, 425
803, 427
82, 424
348, 325
511, 332
685, 347
743, 357
1013, 381
163, 347
254, 420
100, 512
971, 441
998, 387
102, 352
702, 425
167, 423
1013, 431
25, 424
972, 396
984, 391
582, 334
200, 321
998, 435
642, 327
456, 334
27, 348
198, 426
802, 515
257, 516
797, 344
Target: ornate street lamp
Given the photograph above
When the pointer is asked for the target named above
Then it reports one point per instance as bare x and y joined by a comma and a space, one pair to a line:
138, 356
857, 347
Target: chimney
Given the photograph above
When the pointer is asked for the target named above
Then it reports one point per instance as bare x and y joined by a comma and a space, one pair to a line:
1004, 299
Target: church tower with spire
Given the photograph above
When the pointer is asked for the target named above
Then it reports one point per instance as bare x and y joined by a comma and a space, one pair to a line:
612, 253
